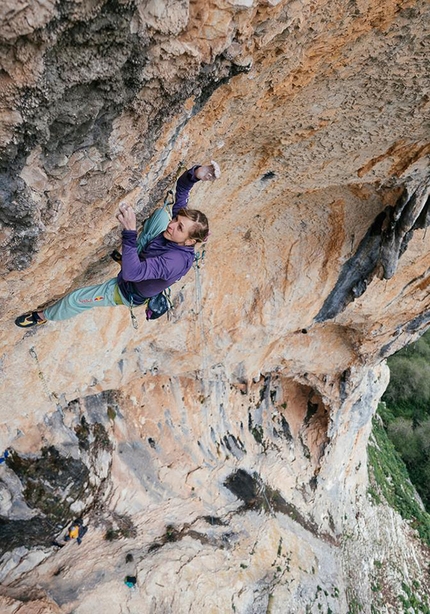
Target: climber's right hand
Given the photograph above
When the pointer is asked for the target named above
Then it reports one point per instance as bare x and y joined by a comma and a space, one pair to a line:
208, 172
126, 217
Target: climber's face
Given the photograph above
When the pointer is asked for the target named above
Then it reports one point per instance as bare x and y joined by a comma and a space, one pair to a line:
179, 230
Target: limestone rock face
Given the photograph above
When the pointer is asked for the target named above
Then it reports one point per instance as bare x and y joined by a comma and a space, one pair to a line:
217, 456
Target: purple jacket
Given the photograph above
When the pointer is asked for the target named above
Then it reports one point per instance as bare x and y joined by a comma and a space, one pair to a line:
162, 262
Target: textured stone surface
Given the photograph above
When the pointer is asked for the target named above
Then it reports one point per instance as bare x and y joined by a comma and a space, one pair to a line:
268, 373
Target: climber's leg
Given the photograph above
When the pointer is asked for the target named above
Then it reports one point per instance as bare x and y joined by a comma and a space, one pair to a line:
152, 227
99, 295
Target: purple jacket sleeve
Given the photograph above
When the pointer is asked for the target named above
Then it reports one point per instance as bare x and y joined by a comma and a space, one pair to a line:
183, 188
161, 267
134, 269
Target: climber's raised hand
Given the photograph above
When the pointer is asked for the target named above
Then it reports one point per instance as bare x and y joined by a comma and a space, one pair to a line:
208, 172
126, 217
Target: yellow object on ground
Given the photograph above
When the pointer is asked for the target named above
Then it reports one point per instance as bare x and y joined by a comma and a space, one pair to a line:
73, 532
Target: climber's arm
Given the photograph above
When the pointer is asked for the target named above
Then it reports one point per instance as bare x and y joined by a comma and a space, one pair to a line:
207, 172
131, 267
134, 269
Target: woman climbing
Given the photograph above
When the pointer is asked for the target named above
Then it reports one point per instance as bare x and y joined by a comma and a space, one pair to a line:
150, 263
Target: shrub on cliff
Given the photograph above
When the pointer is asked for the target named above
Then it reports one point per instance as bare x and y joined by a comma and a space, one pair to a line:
406, 411
390, 481
408, 393
413, 445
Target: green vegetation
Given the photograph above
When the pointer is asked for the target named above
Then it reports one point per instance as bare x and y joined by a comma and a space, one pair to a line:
111, 413
257, 432
412, 600
391, 481
354, 606
406, 411
399, 456
408, 393
124, 528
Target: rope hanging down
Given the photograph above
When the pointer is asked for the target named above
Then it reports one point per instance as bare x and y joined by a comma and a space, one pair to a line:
52, 396
198, 263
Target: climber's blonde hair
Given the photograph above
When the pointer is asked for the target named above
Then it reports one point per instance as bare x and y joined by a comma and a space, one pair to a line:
200, 230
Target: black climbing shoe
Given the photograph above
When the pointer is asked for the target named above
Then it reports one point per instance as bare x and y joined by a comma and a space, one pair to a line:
115, 255
30, 319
